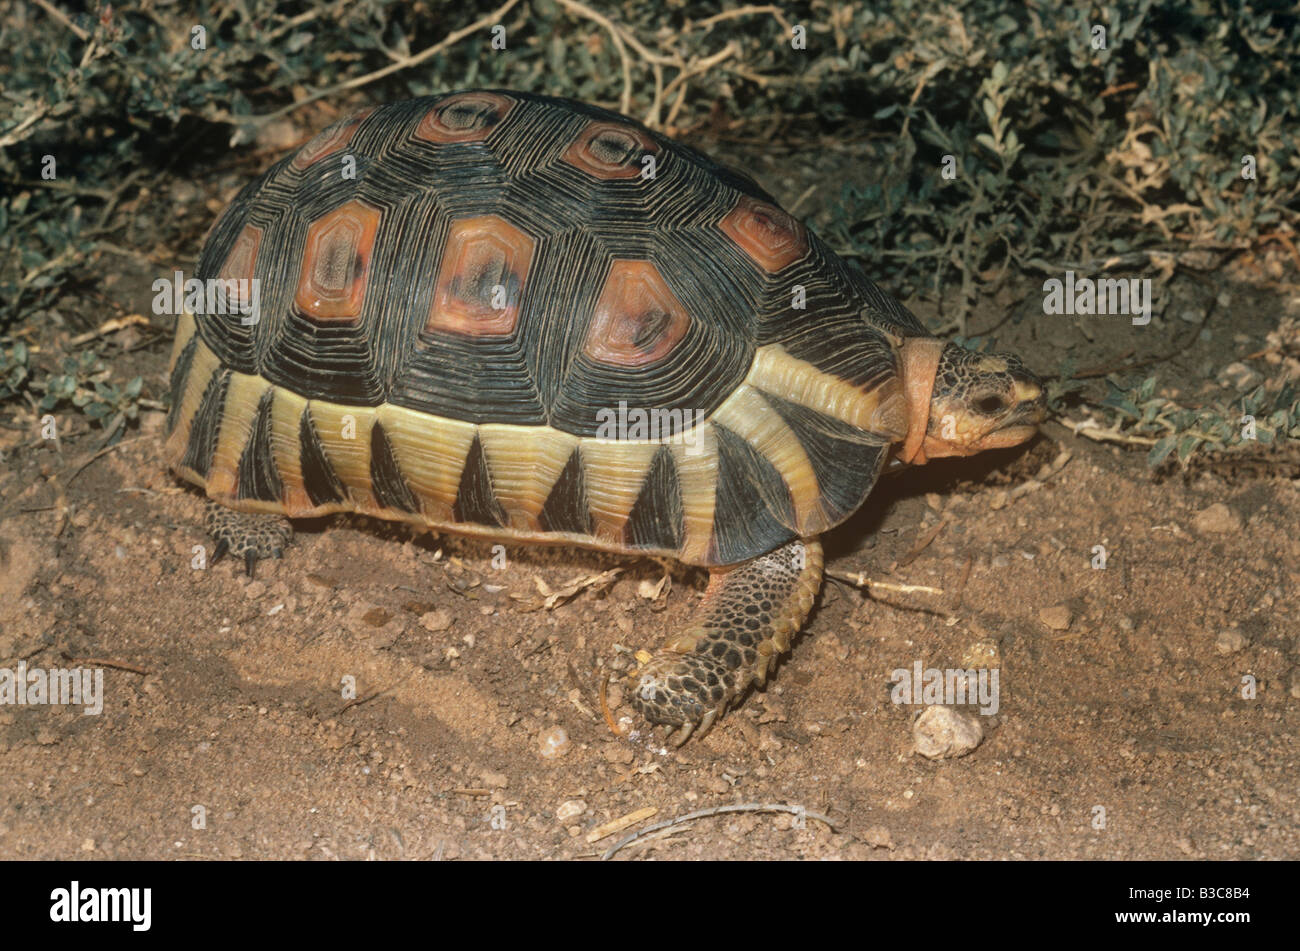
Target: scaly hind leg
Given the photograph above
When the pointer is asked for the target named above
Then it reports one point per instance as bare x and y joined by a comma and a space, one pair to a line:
249, 535
748, 617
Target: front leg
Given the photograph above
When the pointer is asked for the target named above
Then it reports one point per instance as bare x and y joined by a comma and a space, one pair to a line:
747, 619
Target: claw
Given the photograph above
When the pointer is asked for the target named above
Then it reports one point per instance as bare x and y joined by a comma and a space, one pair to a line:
709, 719
250, 562
682, 735
220, 550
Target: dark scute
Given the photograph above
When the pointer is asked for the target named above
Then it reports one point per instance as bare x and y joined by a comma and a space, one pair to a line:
844, 347
566, 507
656, 519
234, 342
207, 425
319, 478
180, 376
753, 512
845, 459
880, 307
258, 476
390, 489
475, 500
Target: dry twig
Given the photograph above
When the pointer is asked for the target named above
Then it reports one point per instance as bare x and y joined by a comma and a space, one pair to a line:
714, 811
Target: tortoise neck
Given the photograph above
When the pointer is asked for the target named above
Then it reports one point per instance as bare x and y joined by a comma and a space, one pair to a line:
918, 364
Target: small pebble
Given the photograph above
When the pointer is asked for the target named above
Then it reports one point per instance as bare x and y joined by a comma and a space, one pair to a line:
554, 742
945, 733
878, 837
1230, 641
1218, 519
1056, 618
981, 654
570, 809
436, 621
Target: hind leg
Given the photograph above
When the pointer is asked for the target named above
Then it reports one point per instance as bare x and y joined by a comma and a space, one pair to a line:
249, 535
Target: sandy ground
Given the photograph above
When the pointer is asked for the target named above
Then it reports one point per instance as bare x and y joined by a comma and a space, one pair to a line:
1122, 730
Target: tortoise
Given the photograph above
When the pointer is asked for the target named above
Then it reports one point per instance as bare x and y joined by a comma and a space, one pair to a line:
534, 320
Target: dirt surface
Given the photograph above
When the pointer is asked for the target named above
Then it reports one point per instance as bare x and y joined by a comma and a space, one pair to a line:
226, 732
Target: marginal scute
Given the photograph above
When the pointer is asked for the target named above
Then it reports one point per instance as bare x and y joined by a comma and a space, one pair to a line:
344, 433
637, 319
881, 410
179, 379
464, 117
481, 278
566, 508
525, 462
386, 481
655, 521
259, 479
615, 474
748, 416
206, 425
431, 453
610, 150
771, 238
203, 364
335, 263
320, 483
696, 456
846, 460
242, 406
754, 511
476, 502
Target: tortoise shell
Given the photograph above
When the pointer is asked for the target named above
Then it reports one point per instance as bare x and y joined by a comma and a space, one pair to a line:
524, 317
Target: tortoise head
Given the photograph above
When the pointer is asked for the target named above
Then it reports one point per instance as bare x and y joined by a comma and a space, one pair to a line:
960, 402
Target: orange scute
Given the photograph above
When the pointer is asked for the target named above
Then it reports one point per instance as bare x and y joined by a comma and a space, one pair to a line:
768, 235
480, 281
330, 141
332, 283
241, 263
610, 150
468, 117
638, 319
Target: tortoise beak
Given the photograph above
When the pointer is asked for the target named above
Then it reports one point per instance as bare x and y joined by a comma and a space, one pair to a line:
1021, 423
1031, 402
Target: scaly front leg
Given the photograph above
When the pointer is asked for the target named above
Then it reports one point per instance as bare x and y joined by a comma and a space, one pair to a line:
748, 617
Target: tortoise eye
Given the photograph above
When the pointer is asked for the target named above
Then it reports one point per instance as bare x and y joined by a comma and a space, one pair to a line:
991, 404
